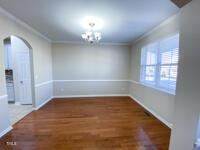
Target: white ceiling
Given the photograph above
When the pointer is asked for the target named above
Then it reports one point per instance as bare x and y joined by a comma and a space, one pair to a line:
60, 20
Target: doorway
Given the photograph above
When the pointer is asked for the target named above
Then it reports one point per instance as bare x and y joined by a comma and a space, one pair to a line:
18, 73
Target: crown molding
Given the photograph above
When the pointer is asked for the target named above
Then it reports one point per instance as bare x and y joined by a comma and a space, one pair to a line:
12, 17
17, 20
157, 27
86, 43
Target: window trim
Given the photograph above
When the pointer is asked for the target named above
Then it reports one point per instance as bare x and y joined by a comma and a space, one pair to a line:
171, 92
158, 65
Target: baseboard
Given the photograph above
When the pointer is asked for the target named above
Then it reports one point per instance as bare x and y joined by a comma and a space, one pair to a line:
152, 112
44, 103
6, 131
110, 95
91, 80
76, 96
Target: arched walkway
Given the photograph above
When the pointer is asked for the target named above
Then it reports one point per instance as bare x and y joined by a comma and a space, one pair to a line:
18, 62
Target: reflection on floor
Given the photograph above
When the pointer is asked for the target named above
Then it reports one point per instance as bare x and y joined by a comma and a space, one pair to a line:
97, 123
17, 112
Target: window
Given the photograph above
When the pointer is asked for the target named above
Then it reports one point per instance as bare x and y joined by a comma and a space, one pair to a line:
159, 64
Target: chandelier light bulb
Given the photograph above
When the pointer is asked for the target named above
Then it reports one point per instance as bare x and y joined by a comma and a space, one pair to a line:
84, 36
88, 33
97, 34
92, 24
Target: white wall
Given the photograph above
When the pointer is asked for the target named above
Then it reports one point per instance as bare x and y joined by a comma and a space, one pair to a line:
81, 69
159, 102
84, 70
41, 55
187, 100
4, 115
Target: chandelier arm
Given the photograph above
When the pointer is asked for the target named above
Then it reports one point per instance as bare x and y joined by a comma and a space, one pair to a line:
91, 36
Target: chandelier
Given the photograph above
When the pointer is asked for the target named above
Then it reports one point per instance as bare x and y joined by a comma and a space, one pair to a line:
91, 36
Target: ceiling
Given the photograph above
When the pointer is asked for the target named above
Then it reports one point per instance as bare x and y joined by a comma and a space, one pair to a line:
60, 20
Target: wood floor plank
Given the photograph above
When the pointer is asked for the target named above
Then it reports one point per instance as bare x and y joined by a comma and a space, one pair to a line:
105, 123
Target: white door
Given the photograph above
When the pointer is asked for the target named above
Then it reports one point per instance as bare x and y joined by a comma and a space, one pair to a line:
23, 73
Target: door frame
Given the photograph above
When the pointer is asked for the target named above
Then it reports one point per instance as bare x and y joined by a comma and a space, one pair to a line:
31, 67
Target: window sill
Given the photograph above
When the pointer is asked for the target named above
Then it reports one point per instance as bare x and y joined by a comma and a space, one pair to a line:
158, 89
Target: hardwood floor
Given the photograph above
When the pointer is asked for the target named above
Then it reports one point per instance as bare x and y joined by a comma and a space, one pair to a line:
106, 123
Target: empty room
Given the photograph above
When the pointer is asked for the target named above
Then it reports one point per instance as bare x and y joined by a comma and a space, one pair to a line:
99, 75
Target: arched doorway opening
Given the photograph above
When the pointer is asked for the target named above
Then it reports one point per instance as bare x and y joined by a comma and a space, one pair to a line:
18, 63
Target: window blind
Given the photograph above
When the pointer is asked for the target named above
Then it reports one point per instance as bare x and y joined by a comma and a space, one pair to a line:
159, 63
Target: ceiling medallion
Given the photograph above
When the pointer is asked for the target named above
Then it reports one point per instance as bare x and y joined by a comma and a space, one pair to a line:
91, 36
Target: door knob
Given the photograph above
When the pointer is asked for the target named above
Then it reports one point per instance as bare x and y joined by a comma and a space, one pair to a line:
21, 82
